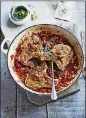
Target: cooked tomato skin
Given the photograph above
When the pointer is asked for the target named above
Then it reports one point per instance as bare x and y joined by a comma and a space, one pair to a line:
43, 90
17, 64
18, 50
21, 73
12, 56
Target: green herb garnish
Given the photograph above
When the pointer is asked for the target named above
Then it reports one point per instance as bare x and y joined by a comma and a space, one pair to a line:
52, 59
20, 13
33, 16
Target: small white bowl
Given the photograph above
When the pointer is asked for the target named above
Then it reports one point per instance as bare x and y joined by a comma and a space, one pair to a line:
18, 21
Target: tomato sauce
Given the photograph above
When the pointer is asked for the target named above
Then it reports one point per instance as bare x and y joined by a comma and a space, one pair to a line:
64, 77
12, 56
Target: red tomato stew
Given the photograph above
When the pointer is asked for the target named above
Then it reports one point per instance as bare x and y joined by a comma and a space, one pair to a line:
33, 65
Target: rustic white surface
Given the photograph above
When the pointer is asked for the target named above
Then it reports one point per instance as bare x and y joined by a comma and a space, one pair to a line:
14, 102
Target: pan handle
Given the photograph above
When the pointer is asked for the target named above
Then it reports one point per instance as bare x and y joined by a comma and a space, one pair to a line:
3, 43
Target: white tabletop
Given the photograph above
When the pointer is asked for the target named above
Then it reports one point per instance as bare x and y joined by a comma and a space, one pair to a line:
44, 16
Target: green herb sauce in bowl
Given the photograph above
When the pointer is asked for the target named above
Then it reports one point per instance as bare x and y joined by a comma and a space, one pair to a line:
19, 13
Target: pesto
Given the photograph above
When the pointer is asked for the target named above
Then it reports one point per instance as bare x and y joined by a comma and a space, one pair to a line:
20, 13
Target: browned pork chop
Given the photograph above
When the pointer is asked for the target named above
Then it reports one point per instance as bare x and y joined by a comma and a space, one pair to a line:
28, 47
38, 76
63, 54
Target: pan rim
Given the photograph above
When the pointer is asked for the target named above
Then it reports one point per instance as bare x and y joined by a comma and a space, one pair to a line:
32, 91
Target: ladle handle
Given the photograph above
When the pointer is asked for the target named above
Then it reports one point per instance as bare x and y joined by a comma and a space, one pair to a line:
53, 93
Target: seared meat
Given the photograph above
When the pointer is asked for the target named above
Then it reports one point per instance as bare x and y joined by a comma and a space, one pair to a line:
63, 54
38, 69
33, 84
41, 55
38, 72
28, 47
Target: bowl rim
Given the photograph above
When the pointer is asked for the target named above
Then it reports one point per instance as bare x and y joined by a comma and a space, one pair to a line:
32, 91
19, 21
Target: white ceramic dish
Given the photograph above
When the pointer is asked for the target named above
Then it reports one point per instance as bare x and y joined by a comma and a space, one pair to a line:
35, 29
21, 21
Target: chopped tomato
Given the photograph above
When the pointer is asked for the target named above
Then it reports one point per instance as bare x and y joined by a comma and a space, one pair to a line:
17, 64
58, 87
21, 73
18, 50
70, 68
12, 56
63, 82
43, 90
